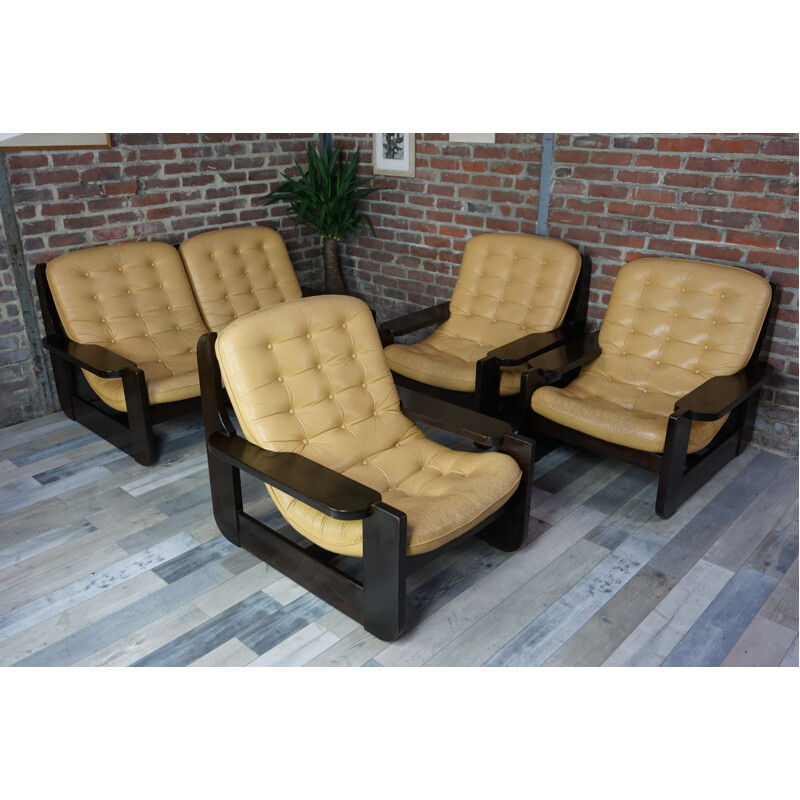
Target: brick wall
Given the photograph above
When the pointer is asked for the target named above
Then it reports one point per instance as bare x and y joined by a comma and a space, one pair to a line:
162, 187
725, 198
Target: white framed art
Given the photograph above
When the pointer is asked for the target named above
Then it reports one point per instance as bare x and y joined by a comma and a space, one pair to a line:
393, 154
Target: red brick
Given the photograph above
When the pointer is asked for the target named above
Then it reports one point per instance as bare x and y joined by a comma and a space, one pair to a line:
726, 219
67, 240
757, 203
508, 169
605, 223
658, 162
71, 192
596, 141
62, 209
738, 183
485, 180
696, 232
25, 161
474, 166
108, 173
778, 147
654, 196
473, 193
583, 235
705, 199
79, 223
637, 176
55, 176
109, 234
634, 142
630, 209
782, 187
612, 191
691, 180
128, 187
569, 187
590, 206
733, 146
502, 225
764, 167
752, 239
770, 223
180, 138
611, 158
73, 159
671, 246
565, 218
710, 164
649, 227
715, 253
454, 177
571, 157
681, 144
593, 173
624, 240
769, 258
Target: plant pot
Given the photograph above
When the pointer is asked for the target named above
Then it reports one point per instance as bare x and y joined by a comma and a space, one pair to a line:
333, 276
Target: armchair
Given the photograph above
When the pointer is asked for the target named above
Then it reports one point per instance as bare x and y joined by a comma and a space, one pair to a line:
515, 296
671, 380
121, 328
347, 467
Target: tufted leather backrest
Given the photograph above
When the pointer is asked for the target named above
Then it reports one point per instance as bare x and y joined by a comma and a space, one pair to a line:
236, 271
672, 323
309, 376
510, 285
133, 299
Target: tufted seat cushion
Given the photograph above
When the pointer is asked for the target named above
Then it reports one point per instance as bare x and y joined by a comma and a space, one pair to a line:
671, 324
509, 285
236, 271
135, 300
309, 377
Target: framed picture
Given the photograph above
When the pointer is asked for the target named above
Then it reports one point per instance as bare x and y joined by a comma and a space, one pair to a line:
393, 154
54, 141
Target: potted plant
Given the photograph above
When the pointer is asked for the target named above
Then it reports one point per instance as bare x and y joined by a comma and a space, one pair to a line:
324, 197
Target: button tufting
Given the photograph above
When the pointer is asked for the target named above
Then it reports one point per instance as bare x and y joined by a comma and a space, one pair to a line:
330, 397
291, 411
354, 355
365, 462
308, 336
697, 372
713, 322
343, 426
95, 297
85, 274
305, 441
129, 291
160, 285
103, 319
319, 366
722, 296
269, 347
363, 385
280, 380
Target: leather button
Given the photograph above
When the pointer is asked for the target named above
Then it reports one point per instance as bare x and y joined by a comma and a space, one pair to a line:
354, 355
213, 255
330, 397
85, 274
308, 336
119, 269
305, 441
638, 306
103, 320
129, 291
94, 297
136, 314
219, 276
667, 339
160, 285
722, 296
363, 385
343, 426
291, 411
697, 372
169, 308
706, 347
152, 263
160, 361
675, 315
319, 366
683, 290
269, 347
713, 322
280, 380
658, 363
345, 325
365, 462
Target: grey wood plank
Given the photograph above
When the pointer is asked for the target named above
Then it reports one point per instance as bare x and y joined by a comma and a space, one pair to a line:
544, 635
711, 638
781, 605
76, 592
502, 602
791, 657
597, 638
229, 654
692, 542
620, 490
779, 548
354, 650
191, 560
567, 472
299, 648
762, 644
238, 621
748, 539
26, 549
658, 633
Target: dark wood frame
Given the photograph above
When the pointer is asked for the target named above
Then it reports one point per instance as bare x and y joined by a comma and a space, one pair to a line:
680, 473
131, 432
378, 600
486, 398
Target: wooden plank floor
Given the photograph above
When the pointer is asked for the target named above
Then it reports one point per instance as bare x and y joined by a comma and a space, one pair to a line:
107, 563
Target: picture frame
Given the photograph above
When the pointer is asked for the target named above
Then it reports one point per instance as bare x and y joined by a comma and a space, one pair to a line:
394, 154
55, 141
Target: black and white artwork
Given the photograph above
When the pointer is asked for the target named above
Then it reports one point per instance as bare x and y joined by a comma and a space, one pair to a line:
393, 154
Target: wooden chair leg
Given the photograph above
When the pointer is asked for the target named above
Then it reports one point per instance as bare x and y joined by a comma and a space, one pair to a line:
140, 423
748, 413
385, 542
226, 497
510, 531
673, 465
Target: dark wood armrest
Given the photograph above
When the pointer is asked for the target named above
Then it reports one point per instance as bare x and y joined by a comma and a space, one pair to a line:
92, 357
720, 395
525, 348
311, 483
557, 362
465, 422
415, 321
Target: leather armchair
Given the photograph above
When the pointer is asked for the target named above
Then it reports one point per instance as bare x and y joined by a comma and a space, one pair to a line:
671, 380
526, 293
342, 458
122, 327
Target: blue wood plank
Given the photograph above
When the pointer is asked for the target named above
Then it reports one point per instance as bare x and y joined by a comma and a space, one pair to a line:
533, 645
618, 491
273, 629
182, 502
694, 539
710, 639
237, 621
182, 565
565, 473
30, 456
778, 550
103, 632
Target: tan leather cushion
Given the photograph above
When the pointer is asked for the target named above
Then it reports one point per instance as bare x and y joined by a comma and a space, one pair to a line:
309, 377
236, 271
509, 285
671, 325
135, 300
